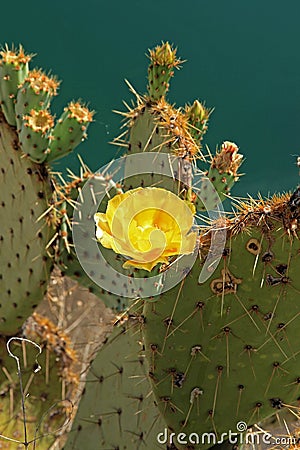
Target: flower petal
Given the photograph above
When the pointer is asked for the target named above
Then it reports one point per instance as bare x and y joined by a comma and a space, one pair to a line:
147, 225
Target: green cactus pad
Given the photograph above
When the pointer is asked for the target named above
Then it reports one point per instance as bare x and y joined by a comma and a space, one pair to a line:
69, 131
117, 410
156, 126
159, 127
220, 177
34, 134
13, 71
161, 69
198, 117
70, 266
228, 350
66, 256
35, 93
25, 262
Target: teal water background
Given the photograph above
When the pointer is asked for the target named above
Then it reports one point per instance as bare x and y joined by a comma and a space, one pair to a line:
243, 59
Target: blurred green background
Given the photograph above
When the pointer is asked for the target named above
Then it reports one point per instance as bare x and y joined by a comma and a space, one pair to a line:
243, 59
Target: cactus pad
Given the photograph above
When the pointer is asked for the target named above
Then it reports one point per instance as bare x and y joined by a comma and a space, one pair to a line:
34, 134
35, 93
163, 61
13, 71
228, 350
117, 410
70, 130
25, 232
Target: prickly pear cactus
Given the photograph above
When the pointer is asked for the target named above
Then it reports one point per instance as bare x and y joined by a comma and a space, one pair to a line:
33, 218
117, 409
227, 351
154, 125
216, 354
230, 337
30, 203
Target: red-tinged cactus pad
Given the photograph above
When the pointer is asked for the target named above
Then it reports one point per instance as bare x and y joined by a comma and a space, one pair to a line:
228, 350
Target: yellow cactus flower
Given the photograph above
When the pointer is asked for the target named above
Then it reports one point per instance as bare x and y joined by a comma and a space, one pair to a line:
147, 226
